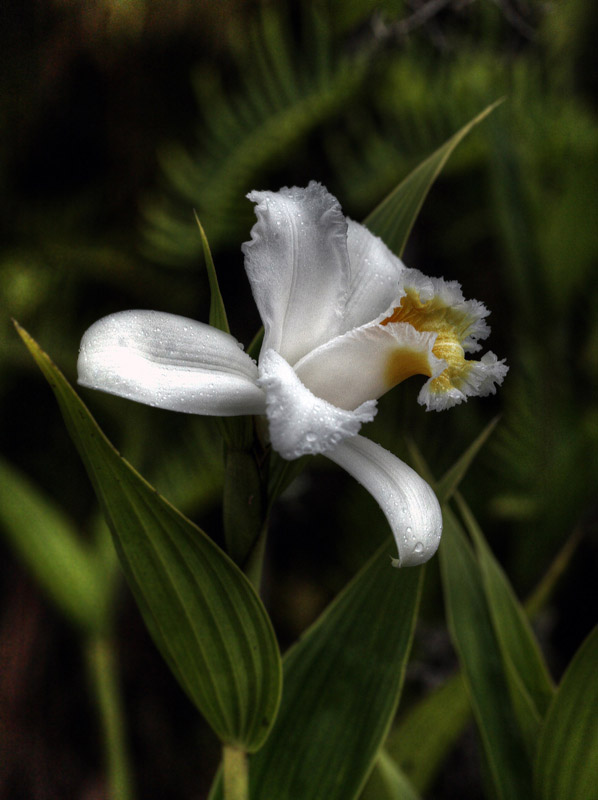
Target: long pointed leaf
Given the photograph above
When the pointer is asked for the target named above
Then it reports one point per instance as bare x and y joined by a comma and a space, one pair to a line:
449, 483
518, 644
423, 738
472, 631
388, 781
217, 318
394, 218
52, 550
201, 610
567, 759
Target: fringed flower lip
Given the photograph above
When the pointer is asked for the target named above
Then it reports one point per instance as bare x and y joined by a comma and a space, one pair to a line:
344, 322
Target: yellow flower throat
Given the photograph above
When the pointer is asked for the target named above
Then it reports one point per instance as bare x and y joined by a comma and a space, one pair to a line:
450, 325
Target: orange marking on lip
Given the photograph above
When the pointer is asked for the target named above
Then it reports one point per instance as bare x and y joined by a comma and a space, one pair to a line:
405, 362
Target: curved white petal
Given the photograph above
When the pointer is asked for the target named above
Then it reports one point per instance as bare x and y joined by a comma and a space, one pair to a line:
407, 501
301, 423
374, 276
170, 362
365, 363
298, 266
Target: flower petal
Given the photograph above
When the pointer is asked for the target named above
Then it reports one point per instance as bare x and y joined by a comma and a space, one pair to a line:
170, 362
481, 379
374, 276
301, 423
438, 306
298, 266
407, 501
365, 363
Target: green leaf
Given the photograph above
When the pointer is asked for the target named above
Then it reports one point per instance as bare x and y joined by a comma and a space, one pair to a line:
567, 757
449, 483
547, 585
201, 610
394, 218
242, 509
423, 738
472, 632
388, 782
217, 318
46, 541
526, 669
342, 682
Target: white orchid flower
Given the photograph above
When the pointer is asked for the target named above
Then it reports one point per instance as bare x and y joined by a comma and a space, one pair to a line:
344, 322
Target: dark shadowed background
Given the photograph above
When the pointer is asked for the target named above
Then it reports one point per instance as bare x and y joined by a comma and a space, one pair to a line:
118, 120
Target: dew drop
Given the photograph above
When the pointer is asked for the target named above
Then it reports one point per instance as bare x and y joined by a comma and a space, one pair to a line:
419, 548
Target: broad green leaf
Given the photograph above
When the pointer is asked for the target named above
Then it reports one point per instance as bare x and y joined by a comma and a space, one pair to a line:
201, 610
46, 541
567, 757
342, 686
524, 663
342, 682
424, 737
472, 632
217, 318
388, 782
394, 218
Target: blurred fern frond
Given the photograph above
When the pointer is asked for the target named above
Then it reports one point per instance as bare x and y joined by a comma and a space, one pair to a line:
286, 89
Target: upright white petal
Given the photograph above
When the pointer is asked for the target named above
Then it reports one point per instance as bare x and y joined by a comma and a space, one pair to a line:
407, 501
298, 266
170, 362
299, 422
374, 277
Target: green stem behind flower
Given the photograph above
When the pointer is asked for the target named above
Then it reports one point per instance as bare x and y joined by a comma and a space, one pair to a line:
101, 664
242, 503
235, 773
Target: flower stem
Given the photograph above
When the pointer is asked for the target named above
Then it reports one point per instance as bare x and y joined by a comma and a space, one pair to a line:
235, 773
103, 674
242, 503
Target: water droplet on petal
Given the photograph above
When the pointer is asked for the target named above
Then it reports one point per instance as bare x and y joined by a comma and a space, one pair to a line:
419, 548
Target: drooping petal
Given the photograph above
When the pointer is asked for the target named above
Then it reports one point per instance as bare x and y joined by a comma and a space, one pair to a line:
170, 362
374, 277
407, 501
298, 266
299, 422
365, 363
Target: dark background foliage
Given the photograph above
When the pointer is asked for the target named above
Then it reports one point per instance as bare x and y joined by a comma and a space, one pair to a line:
118, 121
